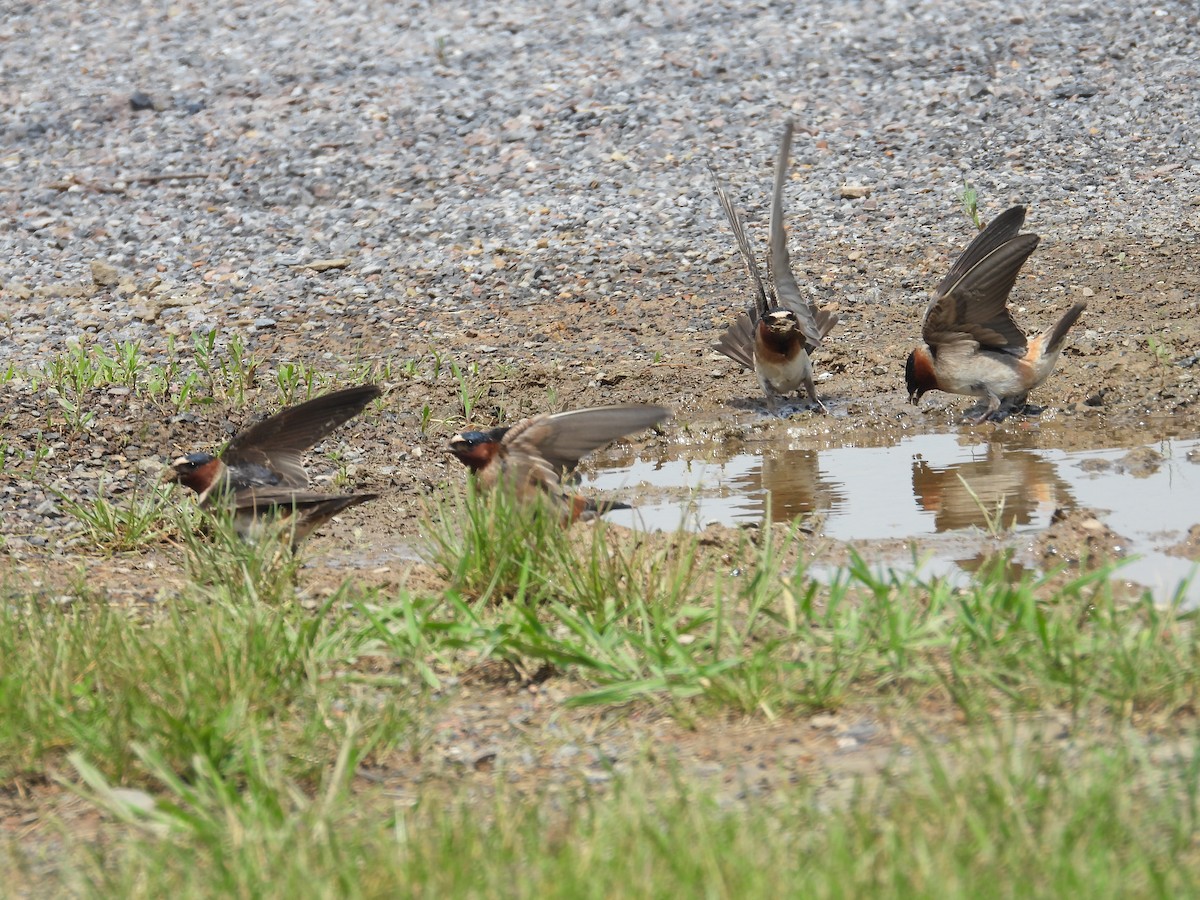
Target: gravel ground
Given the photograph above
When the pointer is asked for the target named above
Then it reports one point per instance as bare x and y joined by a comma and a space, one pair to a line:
349, 185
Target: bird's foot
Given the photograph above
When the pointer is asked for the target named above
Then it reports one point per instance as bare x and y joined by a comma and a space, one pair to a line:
1014, 406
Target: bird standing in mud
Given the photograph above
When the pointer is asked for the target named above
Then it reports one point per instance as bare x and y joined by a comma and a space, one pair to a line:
778, 334
972, 345
260, 474
531, 457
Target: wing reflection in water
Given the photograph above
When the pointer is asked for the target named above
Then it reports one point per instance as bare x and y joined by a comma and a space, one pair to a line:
1028, 486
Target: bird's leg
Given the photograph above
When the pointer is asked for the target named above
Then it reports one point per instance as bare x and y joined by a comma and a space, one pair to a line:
984, 410
812, 394
1012, 405
770, 396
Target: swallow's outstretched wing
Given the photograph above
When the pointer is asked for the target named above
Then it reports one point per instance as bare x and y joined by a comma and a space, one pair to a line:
277, 444
971, 302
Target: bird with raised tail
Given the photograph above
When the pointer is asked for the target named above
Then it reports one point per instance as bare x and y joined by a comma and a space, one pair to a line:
972, 345
776, 336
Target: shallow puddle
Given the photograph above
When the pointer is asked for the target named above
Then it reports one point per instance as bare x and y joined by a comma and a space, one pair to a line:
942, 491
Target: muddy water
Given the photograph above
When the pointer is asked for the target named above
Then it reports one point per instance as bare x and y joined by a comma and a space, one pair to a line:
945, 493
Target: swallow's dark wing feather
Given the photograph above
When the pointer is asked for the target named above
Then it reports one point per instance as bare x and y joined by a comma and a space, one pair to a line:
787, 291
737, 342
565, 438
1001, 230
278, 443
975, 305
761, 306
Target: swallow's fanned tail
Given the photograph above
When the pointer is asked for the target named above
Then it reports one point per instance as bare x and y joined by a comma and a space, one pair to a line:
306, 510
826, 320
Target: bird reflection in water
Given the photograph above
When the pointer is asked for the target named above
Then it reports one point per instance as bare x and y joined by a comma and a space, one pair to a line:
792, 480
1011, 488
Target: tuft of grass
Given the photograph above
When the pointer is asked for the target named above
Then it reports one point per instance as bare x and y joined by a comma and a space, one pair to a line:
166, 385
227, 373
298, 382
993, 517
13, 456
470, 388
136, 523
234, 738
230, 374
201, 687
489, 545
70, 376
647, 618
232, 569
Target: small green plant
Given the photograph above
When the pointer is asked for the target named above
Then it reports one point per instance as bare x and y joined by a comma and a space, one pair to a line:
229, 375
1161, 351
138, 522
296, 382
128, 363
164, 386
77, 415
470, 390
1164, 358
76, 371
969, 198
41, 452
71, 376
239, 370
342, 478
204, 351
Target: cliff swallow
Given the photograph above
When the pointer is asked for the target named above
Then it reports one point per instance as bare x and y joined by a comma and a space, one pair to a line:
972, 345
532, 457
261, 471
778, 334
